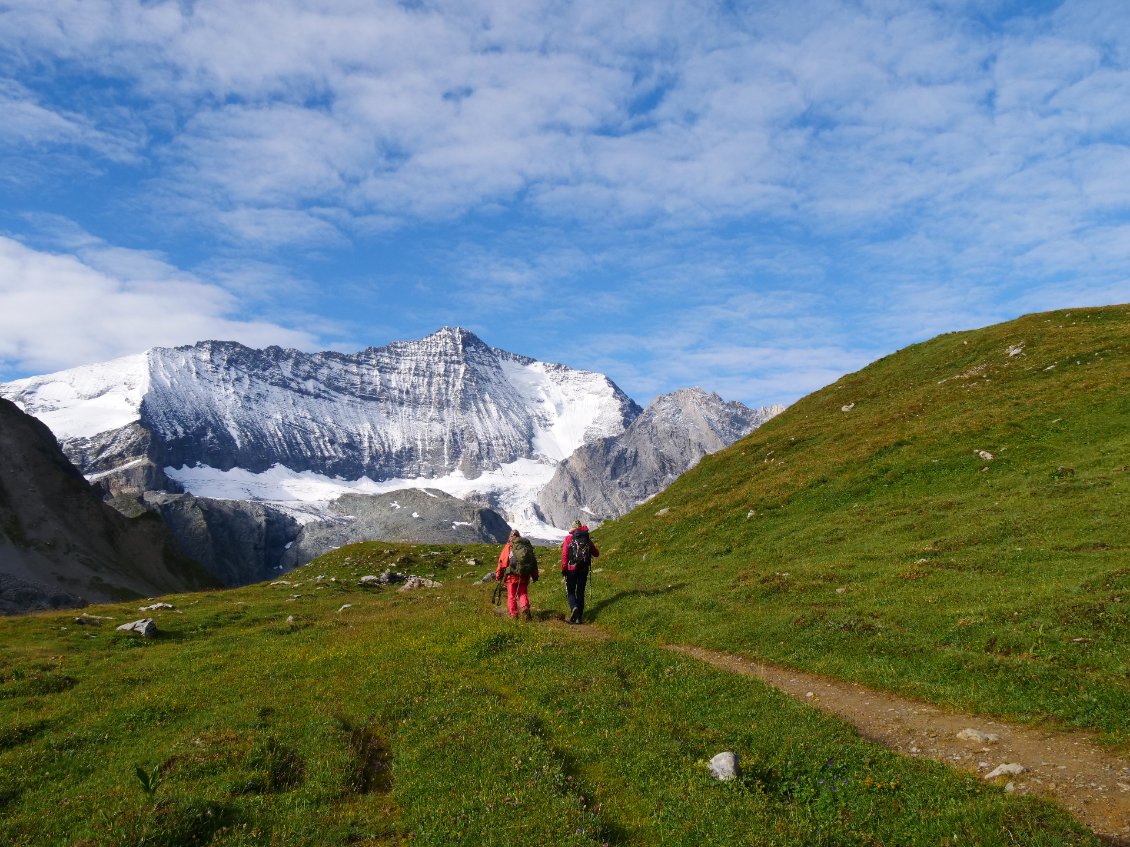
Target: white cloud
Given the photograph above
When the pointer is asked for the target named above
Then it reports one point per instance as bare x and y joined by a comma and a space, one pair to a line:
929, 164
58, 310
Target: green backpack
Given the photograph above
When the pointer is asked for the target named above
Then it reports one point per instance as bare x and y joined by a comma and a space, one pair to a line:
523, 562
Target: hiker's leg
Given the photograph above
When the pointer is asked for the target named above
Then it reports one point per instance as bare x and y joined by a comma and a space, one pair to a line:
512, 597
582, 581
571, 590
523, 592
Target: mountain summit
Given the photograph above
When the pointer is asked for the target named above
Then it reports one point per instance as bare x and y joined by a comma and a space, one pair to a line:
445, 404
289, 433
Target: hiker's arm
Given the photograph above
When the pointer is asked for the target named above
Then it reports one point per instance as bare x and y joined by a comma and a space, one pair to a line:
503, 561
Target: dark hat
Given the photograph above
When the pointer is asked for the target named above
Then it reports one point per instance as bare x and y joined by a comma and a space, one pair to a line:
514, 533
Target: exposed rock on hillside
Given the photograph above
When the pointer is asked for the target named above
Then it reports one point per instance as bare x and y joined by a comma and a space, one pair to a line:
609, 477
238, 542
60, 545
419, 515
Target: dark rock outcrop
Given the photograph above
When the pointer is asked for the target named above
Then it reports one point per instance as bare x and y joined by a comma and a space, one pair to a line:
237, 541
60, 545
418, 515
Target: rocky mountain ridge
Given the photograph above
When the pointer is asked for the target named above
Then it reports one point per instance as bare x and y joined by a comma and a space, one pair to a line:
607, 478
447, 405
247, 453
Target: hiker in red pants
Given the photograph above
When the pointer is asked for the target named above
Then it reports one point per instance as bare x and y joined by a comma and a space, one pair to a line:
517, 564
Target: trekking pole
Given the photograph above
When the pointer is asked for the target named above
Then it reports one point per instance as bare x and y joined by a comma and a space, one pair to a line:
497, 598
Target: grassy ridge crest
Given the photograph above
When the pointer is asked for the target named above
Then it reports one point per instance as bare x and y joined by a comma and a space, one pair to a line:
948, 522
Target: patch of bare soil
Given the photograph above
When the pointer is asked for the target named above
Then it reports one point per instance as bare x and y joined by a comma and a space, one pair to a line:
1065, 767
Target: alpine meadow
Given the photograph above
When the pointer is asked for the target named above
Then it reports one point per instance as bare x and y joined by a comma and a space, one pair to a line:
948, 524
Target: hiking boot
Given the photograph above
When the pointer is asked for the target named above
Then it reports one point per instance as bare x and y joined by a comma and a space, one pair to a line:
527, 614
574, 615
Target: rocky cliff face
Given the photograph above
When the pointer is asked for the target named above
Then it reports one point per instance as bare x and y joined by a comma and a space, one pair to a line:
412, 409
609, 477
420, 515
238, 542
60, 545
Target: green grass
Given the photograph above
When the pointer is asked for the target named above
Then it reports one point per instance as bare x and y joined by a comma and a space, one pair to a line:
425, 718
875, 544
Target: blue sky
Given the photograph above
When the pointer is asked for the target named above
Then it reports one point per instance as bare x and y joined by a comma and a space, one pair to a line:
752, 197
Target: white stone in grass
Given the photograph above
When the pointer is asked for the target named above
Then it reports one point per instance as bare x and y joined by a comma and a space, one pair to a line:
414, 582
984, 454
145, 627
155, 606
370, 579
345, 606
978, 736
725, 766
1012, 769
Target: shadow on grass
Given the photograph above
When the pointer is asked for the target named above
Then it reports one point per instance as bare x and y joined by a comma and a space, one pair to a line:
592, 610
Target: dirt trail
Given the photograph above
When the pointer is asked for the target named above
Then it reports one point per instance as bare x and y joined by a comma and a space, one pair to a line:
1066, 767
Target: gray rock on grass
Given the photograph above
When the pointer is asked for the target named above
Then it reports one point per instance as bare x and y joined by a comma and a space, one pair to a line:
725, 766
145, 627
1012, 769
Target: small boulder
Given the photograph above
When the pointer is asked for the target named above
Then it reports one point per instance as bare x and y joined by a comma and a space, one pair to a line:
414, 582
145, 627
978, 736
369, 579
725, 766
1013, 769
155, 607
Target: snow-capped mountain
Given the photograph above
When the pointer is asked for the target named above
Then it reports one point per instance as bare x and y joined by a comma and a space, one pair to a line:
223, 420
608, 477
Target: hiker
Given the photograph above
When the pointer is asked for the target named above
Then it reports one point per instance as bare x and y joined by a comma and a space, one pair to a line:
577, 553
517, 564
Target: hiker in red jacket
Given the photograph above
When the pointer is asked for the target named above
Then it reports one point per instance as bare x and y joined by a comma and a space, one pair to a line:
517, 586
577, 553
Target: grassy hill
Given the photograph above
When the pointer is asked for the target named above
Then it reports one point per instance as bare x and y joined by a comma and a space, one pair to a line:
872, 544
949, 522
